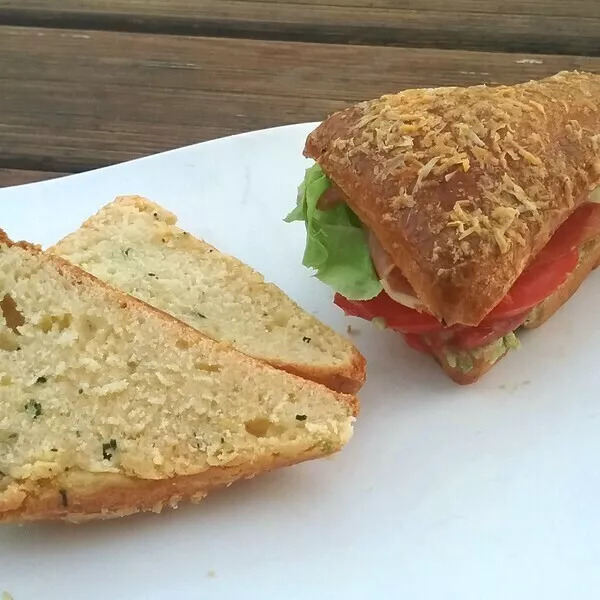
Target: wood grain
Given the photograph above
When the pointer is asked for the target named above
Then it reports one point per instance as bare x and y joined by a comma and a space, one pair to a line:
74, 100
19, 176
541, 26
190, 8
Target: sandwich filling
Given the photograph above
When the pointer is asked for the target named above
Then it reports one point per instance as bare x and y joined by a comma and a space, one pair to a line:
345, 255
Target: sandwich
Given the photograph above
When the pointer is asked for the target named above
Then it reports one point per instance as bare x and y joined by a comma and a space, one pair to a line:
109, 406
456, 216
136, 246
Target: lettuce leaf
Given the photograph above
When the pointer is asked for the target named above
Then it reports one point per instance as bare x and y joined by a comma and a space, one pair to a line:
336, 243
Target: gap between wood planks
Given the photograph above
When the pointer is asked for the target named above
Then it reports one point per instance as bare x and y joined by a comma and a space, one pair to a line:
535, 26
10, 177
76, 100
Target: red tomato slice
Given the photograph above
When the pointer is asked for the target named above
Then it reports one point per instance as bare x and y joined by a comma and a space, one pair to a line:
537, 282
396, 315
552, 265
416, 342
467, 338
581, 227
545, 273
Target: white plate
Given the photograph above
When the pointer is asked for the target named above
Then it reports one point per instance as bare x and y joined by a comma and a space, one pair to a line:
445, 492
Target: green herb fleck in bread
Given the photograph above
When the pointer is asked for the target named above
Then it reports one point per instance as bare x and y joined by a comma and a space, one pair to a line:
109, 406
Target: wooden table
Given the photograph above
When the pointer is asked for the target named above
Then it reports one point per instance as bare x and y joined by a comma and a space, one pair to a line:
87, 83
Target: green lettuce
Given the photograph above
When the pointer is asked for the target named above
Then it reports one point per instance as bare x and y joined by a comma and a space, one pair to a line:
336, 243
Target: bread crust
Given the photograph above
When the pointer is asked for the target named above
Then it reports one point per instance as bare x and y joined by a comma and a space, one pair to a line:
464, 186
80, 496
347, 379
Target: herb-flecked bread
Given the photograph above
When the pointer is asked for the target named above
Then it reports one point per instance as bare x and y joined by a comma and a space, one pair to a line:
136, 246
109, 406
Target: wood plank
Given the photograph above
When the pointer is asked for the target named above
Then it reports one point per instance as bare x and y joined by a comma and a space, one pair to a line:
10, 177
578, 8
543, 26
74, 100
191, 8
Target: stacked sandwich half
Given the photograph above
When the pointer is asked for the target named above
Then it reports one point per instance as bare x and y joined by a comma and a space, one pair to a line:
457, 215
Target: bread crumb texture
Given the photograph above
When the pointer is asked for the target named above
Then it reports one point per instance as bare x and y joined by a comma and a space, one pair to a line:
93, 381
135, 245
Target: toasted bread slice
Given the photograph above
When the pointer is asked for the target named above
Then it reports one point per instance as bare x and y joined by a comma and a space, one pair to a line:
589, 254
109, 406
134, 245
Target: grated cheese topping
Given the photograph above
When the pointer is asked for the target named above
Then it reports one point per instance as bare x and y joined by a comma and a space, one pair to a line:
518, 144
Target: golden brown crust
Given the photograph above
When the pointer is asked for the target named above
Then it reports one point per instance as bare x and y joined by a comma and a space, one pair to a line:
347, 379
463, 186
5, 240
81, 496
